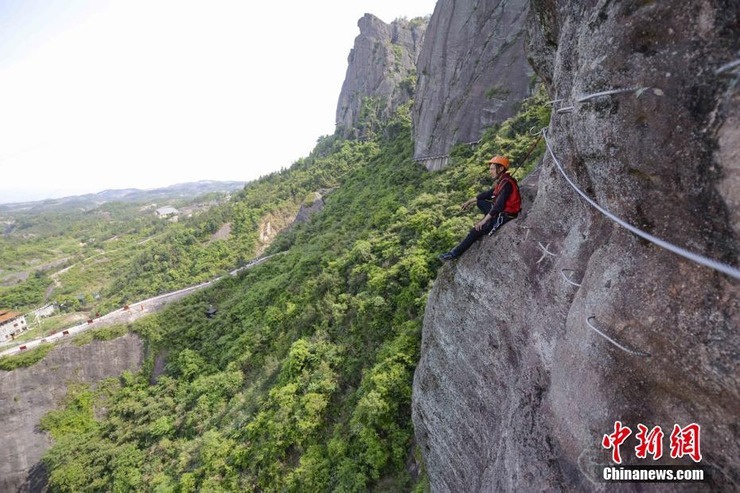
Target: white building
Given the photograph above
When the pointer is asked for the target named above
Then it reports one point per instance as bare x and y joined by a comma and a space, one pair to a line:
11, 324
44, 311
167, 211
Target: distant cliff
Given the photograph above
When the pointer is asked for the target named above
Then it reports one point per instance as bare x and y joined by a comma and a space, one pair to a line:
381, 75
472, 73
26, 394
523, 371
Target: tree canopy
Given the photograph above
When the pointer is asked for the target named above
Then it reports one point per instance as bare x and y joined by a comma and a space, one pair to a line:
302, 379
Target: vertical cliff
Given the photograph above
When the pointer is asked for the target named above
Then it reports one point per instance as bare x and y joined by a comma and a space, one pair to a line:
472, 72
381, 75
26, 394
522, 371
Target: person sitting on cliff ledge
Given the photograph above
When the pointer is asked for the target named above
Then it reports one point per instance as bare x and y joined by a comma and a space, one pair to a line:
499, 204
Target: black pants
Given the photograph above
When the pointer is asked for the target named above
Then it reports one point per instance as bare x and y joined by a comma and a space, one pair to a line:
474, 235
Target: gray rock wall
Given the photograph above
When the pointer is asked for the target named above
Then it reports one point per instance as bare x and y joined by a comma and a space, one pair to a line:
472, 71
382, 65
514, 391
26, 394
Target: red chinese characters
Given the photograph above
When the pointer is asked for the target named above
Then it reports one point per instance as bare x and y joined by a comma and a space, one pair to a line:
683, 441
650, 443
615, 440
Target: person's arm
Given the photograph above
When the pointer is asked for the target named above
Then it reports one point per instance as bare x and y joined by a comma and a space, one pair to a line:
486, 195
498, 206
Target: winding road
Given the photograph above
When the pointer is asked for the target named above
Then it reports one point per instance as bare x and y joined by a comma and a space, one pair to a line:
127, 314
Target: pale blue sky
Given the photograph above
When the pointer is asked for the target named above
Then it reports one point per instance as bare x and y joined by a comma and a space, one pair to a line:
100, 94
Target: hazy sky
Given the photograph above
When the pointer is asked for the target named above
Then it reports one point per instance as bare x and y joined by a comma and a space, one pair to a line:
100, 94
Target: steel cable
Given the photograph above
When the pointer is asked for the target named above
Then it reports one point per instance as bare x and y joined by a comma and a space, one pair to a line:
707, 262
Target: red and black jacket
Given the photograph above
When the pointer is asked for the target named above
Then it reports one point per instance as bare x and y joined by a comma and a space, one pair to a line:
505, 196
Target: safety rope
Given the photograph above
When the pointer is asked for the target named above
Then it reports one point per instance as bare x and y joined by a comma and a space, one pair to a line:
529, 152
609, 93
707, 262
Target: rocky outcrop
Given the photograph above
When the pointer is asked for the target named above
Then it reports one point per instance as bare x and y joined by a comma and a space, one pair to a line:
472, 73
26, 394
515, 388
266, 233
381, 75
314, 203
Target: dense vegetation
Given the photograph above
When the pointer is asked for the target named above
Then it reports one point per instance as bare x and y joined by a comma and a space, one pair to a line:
302, 380
74, 256
27, 358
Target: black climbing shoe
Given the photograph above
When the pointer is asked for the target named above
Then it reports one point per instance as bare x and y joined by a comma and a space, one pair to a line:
446, 257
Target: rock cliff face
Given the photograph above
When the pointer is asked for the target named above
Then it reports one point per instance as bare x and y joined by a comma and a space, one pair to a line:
381, 75
26, 394
472, 72
515, 390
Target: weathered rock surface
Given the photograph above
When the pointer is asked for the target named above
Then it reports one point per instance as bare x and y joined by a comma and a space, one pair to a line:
310, 207
514, 391
382, 66
472, 72
26, 394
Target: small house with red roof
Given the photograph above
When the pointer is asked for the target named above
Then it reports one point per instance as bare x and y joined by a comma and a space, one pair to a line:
11, 324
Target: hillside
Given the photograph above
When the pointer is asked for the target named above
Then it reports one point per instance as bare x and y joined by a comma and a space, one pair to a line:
356, 361
302, 381
71, 252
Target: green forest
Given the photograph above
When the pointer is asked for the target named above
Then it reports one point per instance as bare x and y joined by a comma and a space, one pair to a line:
302, 379
79, 256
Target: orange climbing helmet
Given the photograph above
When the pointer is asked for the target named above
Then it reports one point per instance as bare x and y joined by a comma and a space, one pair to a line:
503, 161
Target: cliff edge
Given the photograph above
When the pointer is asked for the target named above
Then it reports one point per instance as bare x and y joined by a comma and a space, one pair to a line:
523, 372
26, 394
